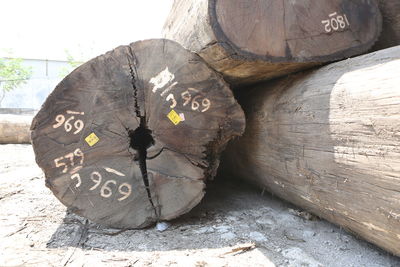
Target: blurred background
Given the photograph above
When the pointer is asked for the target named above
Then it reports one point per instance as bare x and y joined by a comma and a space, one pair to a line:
41, 41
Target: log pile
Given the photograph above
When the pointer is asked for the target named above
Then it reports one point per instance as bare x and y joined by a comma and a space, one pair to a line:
130, 137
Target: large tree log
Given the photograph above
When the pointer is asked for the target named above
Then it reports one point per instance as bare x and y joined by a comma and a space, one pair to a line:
256, 40
390, 35
130, 137
14, 129
329, 141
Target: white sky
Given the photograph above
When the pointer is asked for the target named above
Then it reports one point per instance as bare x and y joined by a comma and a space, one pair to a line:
87, 28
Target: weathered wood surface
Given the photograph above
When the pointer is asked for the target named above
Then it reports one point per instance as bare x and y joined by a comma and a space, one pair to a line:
329, 141
390, 35
249, 41
14, 129
129, 138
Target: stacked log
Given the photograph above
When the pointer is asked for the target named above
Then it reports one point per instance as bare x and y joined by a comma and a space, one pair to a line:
390, 35
329, 141
14, 129
130, 137
250, 41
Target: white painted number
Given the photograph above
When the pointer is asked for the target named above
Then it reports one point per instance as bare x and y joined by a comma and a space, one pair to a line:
61, 164
78, 152
125, 194
96, 178
171, 97
190, 96
70, 160
78, 178
206, 103
68, 126
60, 119
105, 190
195, 105
335, 22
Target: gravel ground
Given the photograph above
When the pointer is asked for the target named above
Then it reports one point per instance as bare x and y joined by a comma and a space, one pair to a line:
235, 225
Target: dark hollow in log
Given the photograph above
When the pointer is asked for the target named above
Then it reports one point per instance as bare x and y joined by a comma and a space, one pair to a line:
329, 141
253, 40
130, 137
390, 35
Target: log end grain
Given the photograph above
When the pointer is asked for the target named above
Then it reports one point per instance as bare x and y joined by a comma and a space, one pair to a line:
130, 137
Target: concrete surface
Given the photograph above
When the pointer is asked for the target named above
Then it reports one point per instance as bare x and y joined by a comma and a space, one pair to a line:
235, 225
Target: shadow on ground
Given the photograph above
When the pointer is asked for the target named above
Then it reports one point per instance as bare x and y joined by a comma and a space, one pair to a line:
227, 205
234, 213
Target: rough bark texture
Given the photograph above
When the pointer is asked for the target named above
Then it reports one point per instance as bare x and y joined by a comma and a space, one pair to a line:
390, 35
14, 129
130, 137
255, 40
329, 141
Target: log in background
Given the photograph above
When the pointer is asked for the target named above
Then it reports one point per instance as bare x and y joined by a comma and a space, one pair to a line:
14, 129
329, 141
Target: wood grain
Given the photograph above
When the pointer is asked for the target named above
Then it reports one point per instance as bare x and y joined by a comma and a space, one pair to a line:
390, 35
329, 142
249, 41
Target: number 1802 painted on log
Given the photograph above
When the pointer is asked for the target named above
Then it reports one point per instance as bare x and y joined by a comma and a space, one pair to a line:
336, 22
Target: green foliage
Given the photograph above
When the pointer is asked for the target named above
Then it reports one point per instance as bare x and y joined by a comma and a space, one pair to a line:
13, 74
72, 62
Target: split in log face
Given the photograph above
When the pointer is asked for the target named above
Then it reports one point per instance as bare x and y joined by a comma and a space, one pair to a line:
130, 137
287, 30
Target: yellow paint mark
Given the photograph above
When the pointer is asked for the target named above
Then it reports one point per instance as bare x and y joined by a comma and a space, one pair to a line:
92, 139
174, 117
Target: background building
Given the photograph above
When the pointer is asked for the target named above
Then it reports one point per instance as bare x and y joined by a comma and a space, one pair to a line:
46, 74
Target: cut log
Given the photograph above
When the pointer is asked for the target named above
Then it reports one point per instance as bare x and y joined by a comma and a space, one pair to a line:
130, 137
390, 35
249, 41
329, 141
14, 129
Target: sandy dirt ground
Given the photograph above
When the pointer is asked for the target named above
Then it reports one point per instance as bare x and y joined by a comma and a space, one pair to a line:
235, 225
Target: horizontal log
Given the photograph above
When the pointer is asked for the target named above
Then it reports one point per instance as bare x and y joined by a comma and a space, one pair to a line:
390, 35
249, 41
14, 129
329, 141
130, 137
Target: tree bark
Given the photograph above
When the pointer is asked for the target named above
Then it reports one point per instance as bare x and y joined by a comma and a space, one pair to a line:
130, 137
390, 35
14, 129
249, 41
329, 141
